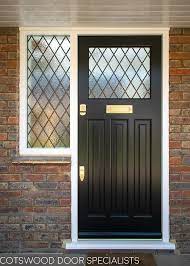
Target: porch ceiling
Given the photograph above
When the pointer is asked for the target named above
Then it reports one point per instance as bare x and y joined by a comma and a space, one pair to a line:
96, 13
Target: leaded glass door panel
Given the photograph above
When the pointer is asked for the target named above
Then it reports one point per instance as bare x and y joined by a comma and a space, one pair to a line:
119, 137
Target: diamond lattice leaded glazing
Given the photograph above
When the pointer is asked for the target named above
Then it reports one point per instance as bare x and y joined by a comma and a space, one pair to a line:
48, 86
119, 72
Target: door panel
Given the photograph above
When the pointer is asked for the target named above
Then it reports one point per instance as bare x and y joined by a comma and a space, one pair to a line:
142, 179
120, 196
96, 167
119, 175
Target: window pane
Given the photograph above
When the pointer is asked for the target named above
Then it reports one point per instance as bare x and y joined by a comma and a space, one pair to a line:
48, 85
119, 72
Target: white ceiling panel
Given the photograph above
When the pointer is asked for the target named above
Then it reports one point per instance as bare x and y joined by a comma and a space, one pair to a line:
100, 13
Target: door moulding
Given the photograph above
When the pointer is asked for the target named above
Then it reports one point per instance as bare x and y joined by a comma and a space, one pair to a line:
76, 243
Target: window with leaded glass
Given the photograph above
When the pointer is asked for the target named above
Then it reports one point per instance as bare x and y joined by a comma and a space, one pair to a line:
48, 91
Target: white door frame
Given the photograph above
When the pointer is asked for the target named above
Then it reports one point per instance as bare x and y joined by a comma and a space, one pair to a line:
118, 244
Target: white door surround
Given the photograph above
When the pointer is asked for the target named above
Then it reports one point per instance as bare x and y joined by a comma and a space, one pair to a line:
120, 244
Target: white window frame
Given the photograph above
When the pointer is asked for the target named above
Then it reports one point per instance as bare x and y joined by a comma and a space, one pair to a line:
23, 149
76, 243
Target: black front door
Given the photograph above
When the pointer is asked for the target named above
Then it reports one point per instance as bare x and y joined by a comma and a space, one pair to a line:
119, 137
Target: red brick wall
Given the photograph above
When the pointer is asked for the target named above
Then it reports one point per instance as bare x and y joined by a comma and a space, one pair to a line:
35, 199
180, 137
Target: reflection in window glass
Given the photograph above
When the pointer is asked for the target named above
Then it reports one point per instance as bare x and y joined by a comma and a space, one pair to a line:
119, 72
48, 87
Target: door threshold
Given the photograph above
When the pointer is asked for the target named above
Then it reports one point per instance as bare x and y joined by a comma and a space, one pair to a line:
120, 244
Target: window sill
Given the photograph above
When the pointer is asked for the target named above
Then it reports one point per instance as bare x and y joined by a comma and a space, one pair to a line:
120, 244
41, 160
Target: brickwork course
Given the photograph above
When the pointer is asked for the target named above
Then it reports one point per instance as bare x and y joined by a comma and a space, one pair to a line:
35, 199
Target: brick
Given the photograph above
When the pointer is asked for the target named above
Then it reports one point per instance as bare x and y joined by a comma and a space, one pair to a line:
175, 112
33, 227
176, 31
10, 177
185, 79
12, 64
65, 202
179, 39
186, 63
175, 160
64, 185
186, 144
185, 128
3, 104
23, 169
14, 236
3, 55
186, 47
185, 177
13, 120
179, 55
12, 246
45, 236
175, 128
185, 112
12, 136
57, 228
59, 177
34, 177
176, 47
175, 194
3, 66
49, 219
46, 185
176, 63
175, 152
12, 72
3, 136
8, 210
12, 39
186, 96
186, 160
175, 144
179, 120
20, 185
186, 194
47, 169
179, 71
175, 212
20, 219
9, 30
175, 79
4, 202
34, 209
176, 95
3, 120
10, 194
20, 202
8, 47
175, 177
3, 39
179, 169
180, 136
11, 55
3, 219
28, 235
3, 185
46, 202
35, 244
9, 227
61, 210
